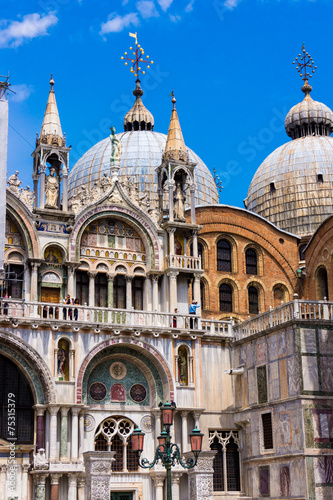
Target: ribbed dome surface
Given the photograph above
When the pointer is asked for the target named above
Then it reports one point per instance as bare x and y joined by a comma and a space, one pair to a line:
141, 154
293, 187
309, 117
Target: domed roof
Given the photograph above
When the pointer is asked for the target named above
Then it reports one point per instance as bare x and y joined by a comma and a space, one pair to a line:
141, 154
138, 117
309, 117
293, 187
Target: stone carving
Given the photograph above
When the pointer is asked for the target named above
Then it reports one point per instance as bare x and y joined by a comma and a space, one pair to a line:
27, 196
14, 183
148, 423
97, 391
115, 145
89, 422
179, 203
101, 467
52, 189
116, 197
138, 393
118, 370
40, 461
105, 183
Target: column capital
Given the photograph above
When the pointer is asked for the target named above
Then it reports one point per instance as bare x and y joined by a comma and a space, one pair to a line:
54, 478
110, 276
171, 230
25, 468
175, 477
75, 410
129, 278
40, 478
158, 478
72, 479
40, 410
172, 275
92, 274
184, 413
197, 276
197, 413
64, 410
81, 482
53, 410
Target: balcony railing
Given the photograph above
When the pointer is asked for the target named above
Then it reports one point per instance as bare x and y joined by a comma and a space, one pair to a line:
183, 262
120, 319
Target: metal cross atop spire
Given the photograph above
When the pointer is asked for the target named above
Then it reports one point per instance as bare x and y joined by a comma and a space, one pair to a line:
4, 86
305, 63
137, 58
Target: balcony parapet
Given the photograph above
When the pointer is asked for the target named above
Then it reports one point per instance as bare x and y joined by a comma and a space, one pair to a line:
184, 262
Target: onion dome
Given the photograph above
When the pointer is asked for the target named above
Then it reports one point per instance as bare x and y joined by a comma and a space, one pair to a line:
309, 117
138, 117
293, 187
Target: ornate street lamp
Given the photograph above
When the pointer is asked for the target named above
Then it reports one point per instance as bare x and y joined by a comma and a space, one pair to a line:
167, 452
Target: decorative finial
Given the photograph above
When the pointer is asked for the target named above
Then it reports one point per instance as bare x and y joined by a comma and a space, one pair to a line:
137, 58
52, 81
173, 100
305, 63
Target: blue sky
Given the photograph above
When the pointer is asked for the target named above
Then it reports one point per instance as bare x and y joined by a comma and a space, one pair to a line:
228, 61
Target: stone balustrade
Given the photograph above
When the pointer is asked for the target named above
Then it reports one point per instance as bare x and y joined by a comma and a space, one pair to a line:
183, 262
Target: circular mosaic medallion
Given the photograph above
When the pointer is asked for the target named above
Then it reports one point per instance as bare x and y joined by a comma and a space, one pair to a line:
97, 391
89, 422
138, 393
147, 423
118, 370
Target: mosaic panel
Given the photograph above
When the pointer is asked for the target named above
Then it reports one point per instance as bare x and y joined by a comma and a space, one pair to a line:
285, 428
118, 393
138, 393
97, 391
310, 373
326, 372
325, 341
308, 341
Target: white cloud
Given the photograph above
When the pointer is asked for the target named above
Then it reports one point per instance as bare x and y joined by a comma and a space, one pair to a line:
22, 92
189, 6
117, 23
164, 4
231, 4
147, 8
174, 19
31, 26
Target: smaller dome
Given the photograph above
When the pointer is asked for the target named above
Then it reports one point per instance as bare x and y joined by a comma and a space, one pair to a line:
309, 117
138, 117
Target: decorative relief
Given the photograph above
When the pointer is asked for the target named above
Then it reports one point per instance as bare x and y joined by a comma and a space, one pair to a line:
51, 278
89, 422
147, 423
138, 393
101, 467
97, 391
118, 370
118, 393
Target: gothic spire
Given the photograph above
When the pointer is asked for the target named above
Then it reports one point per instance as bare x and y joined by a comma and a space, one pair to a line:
175, 146
51, 128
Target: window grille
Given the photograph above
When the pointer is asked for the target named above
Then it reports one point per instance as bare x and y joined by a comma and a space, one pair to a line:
223, 256
225, 298
251, 261
117, 445
267, 429
253, 300
226, 443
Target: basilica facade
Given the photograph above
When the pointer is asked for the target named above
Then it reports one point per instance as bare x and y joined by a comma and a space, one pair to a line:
101, 265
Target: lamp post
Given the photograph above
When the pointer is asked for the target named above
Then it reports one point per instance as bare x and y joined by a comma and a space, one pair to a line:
167, 452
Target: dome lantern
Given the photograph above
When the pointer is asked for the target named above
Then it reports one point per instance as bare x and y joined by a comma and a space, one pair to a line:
138, 117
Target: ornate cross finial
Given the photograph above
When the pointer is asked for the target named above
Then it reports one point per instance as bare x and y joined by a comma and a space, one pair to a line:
305, 63
137, 58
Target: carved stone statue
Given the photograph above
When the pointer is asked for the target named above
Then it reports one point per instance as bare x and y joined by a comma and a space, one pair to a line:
105, 182
40, 461
52, 189
14, 183
27, 196
115, 145
179, 203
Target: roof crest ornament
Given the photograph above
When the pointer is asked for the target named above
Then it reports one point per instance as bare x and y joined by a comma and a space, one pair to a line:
137, 58
304, 63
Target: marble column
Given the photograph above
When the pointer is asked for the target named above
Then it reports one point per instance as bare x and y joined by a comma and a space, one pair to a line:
63, 433
42, 186
25, 482
92, 275
195, 243
3, 472
175, 479
53, 410
70, 279
196, 416
40, 479
192, 189
146, 294
155, 293
34, 281
81, 488
110, 289
81, 433
196, 289
129, 293
55, 486
171, 184
183, 415
75, 432
65, 192
158, 479
27, 284
173, 290
72, 486
171, 231
40, 410
71, 364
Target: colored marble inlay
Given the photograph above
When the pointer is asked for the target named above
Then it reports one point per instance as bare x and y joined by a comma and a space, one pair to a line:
284, 480
262, 384
264, 489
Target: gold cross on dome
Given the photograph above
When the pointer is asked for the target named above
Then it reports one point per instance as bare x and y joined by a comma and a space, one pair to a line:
304, 63
136, 59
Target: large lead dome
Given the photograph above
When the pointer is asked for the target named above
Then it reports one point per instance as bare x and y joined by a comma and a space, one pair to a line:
293, 187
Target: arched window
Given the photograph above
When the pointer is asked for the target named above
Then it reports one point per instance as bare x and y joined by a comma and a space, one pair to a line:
223, 256
13, 382
279, 295
119, 292
113, 435
183, 365
225, 298
253, 300
82, 287
101, 290
251, 261
137, 294
322, 284
226, 475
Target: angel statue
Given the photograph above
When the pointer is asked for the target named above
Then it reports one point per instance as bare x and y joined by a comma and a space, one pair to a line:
115, 145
